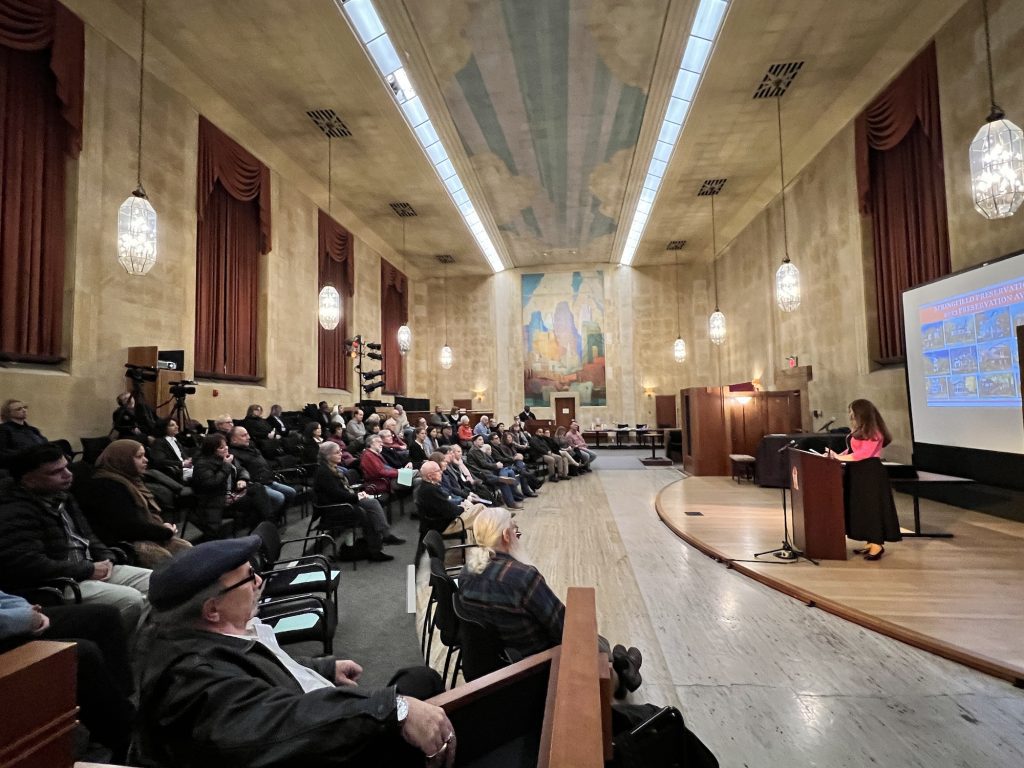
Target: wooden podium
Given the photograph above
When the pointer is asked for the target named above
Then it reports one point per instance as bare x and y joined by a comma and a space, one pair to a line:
816, 485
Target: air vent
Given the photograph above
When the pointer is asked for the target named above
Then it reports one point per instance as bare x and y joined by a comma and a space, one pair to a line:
327, 120
675, 245
711, 187
446, 258
403, 210
777, 80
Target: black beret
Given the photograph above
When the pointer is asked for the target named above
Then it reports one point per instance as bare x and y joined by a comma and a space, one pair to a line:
191, 571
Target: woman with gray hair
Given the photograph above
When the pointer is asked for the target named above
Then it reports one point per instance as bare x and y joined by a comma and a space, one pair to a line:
331, 486
501, 589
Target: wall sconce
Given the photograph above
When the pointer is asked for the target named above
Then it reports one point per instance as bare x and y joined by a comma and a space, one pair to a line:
649, 391
478, 394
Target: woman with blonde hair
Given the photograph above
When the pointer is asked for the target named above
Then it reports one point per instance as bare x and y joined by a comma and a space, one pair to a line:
121, 508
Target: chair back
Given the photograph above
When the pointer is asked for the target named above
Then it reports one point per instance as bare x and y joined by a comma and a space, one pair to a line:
482, 649
270, 549
434, 545
443, 588
92, 447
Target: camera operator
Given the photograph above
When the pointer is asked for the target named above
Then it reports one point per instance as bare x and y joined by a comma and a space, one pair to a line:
126, 424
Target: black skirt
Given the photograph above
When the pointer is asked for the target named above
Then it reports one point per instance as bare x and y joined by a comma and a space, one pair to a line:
870, 509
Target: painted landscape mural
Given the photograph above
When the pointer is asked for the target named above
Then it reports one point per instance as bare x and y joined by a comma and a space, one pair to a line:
563, 336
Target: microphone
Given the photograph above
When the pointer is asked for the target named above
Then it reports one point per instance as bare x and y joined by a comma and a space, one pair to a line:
828, 424
787, 446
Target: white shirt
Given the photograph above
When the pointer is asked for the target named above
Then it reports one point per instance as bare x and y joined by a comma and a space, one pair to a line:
186, 472
304, 676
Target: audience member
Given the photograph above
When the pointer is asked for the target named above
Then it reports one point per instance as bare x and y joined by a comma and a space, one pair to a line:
465, 432
378, 475
562, 448
401, 420
125, 418
167, 455
275, 422
526, 415
312, 437
355, 429
259, 429
103, 670
332, 487
501, 589
445, 438
439, 509
281, 495
482, 427
225, 488
45, 536
457, 480
576, 441
394, 450
455, 418
120, 507
418, 452
224, 424
498, 477
437, 418
336, 434
558, 465
504, 450
218, 690
429, 438
16, 434
323, 415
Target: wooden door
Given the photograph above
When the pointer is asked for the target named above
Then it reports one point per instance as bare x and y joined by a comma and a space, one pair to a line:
665, 411
466, 403
565, 410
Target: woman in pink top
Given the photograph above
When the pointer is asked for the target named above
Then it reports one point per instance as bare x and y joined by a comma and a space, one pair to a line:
868, 436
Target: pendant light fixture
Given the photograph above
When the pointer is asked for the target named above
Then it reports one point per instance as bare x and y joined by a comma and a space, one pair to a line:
447, 356
787, 277
996, 155
716, 323
329, 312
136, 218
404, 334
678, 346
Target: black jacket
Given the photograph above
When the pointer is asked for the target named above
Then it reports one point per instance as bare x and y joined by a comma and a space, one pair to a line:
110, 508
435, 507
416, 454
453, 484
16, 437
258, 429
34, 544
210, 700
249, 457
163, 458
482, 465
330, 488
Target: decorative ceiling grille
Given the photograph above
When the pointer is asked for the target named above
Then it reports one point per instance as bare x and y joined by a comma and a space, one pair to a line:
675, 245
330, 125
446, 258
777, 79
711, 187
403, 210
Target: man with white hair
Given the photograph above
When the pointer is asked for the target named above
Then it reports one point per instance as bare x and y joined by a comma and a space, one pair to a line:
401, 420
502, 590
443, 511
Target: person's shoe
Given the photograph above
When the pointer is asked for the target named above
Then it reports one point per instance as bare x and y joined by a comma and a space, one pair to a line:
626, 664
515, 505
532, 495
861, 550
392, 539
876, 556
508, 480
380, 557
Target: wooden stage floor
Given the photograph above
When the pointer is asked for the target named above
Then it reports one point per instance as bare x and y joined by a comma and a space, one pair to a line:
962, 598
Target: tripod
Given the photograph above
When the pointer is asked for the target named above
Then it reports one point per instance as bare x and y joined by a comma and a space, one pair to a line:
787, 553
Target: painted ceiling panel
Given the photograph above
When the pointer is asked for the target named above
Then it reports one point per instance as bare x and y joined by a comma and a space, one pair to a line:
548, 99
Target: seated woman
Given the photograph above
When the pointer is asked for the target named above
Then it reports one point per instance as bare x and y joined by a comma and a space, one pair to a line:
224, 488
332, 487
465, 432
870, 509
121, 508
312, 438
168, 455
501, 589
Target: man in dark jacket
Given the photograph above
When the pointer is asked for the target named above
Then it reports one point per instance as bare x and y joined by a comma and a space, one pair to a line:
16, 434
439, 509
44, 536
218, 690
248, 456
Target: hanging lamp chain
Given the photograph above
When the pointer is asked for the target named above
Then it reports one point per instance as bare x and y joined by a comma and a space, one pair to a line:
782, 181
678, 324
330, 175
142, 80
445, 290
714, 250
996, 111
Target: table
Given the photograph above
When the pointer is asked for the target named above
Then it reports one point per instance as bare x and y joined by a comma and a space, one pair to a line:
655, 435
915, 482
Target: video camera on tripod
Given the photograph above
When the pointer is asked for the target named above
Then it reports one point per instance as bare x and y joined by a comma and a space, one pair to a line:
140, 373
182, 388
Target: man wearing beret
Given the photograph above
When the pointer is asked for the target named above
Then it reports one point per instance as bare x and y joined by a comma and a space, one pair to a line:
217, 690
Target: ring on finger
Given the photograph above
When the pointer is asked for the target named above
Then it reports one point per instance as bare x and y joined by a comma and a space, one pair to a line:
439, 752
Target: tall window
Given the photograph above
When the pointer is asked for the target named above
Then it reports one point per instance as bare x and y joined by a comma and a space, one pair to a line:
335, 268
394, 312
233, 203
41, 87
901, 183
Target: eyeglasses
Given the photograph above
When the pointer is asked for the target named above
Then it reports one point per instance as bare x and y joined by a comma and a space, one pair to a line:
253, 574
515, 528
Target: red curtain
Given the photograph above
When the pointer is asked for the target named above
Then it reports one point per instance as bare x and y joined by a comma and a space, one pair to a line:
394, 312
901, 187
42, 47
233, 203
336, 267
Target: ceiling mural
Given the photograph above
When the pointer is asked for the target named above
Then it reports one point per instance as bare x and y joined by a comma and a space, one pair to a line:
548, 99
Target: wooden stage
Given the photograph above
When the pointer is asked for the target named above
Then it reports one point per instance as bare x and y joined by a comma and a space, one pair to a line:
961, 598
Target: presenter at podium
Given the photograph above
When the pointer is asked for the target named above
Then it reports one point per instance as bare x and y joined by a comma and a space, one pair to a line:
870, 510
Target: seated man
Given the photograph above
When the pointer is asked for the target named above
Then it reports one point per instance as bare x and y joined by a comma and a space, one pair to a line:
501, 590
355, 430
483, 427
401, 420
493, 473
378, 475
224, 424
439, 508
437, 418
103, 670
394, 450
43, 536
457, 480
218, 690
16, 434
558, 465
281, 495
503, 449
575, 439
554, 447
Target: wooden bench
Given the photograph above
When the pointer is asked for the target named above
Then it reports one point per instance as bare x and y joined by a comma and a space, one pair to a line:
742, 466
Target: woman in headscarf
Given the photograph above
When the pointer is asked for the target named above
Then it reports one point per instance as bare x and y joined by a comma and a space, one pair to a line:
121, 508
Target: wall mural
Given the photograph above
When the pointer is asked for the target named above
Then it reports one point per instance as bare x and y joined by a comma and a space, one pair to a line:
563, 336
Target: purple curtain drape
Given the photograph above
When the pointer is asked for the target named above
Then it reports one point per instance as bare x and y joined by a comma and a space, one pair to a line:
901, 187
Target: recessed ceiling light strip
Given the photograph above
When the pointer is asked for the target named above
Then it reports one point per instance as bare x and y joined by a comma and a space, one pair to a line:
362, 17
706, 24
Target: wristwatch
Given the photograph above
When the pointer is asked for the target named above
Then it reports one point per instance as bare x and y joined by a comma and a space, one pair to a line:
401, 708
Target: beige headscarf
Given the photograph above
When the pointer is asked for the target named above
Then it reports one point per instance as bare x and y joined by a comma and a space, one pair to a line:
117, 463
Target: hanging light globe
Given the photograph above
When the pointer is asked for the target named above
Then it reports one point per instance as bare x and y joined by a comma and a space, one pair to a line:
679, 350
997, 167
716, 327
330, 308
787, 286
404, 339
136, 233
447, 357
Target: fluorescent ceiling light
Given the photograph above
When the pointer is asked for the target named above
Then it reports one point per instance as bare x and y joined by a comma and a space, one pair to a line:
362, 17
706, 25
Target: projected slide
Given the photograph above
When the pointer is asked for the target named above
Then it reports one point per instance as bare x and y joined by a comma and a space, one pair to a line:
969, 347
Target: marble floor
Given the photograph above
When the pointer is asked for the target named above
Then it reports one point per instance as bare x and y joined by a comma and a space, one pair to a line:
758, 675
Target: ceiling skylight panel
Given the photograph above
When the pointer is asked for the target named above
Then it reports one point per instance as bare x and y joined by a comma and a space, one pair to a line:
362, 16
707, 23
